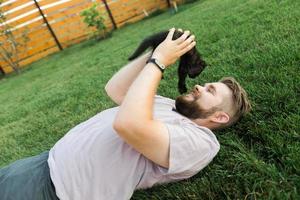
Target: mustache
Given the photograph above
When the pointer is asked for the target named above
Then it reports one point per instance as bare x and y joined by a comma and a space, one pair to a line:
187, 108
195, 93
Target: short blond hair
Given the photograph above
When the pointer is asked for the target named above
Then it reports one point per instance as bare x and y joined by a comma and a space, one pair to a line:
241, 103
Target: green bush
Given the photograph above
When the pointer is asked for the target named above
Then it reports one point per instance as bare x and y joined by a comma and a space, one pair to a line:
93, 18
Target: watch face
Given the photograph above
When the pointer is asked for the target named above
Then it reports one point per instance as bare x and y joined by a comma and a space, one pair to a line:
160, 65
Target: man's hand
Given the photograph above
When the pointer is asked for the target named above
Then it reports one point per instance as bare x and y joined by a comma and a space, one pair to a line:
170, 50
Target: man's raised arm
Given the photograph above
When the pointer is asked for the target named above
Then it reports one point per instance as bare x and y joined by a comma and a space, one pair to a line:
134, 121
117, 87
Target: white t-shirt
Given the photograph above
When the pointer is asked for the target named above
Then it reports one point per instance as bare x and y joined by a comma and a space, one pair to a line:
92, 162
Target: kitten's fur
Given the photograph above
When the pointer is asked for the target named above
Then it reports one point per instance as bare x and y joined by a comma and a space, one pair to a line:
190, 63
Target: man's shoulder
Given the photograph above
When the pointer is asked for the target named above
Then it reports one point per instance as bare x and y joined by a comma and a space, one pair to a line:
160, 98
162, 101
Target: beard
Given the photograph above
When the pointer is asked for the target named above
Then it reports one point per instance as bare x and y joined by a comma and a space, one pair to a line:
191, 109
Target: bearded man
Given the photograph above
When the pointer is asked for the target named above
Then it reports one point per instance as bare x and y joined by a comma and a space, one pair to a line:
146, 140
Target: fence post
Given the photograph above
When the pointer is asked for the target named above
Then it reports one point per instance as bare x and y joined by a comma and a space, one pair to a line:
110, 14
169, 3
49, 27
1, 71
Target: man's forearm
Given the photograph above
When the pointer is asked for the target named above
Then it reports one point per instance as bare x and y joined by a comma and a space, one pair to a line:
138, 103
119, 84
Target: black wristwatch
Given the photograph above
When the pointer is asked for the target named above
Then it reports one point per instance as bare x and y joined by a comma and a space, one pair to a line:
157, 63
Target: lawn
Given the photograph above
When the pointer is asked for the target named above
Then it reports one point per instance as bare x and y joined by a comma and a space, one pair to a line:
257, 42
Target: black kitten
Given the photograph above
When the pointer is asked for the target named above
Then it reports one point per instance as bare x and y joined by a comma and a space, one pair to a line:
190, 63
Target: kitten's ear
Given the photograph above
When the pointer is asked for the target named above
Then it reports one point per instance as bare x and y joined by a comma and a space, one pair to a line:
195, 70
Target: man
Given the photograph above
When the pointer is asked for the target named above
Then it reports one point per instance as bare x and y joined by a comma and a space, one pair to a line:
147, 140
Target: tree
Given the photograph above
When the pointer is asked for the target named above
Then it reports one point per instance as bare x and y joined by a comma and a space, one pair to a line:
10, 46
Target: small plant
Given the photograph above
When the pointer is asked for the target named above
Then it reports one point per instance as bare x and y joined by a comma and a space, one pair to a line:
10, 46
93, 18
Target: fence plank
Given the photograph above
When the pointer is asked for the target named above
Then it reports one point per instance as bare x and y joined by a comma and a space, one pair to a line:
71, 12
25, 19
35, 48
64, 6
39, 55
22, 11
6, 7
46, 52
38, 32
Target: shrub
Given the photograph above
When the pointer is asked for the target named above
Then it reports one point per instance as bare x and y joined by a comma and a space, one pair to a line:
93, 18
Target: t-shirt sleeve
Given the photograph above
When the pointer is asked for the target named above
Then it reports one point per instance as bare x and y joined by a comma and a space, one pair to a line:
160, 99
191, 149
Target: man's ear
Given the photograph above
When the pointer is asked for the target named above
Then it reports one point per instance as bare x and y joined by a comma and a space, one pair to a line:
220, 117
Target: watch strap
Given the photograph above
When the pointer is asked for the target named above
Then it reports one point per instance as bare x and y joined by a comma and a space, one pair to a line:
156, 62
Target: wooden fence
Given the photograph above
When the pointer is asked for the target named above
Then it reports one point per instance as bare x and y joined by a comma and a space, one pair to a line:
52, 25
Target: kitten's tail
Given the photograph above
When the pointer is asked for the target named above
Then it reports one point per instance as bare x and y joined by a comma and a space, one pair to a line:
152, 41
142, 47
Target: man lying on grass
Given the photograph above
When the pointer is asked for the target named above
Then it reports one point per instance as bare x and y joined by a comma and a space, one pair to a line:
147, 140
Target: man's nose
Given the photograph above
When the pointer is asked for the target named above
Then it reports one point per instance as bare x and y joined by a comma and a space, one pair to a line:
199, 88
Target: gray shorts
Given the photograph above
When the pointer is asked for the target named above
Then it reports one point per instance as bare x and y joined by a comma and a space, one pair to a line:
28, 178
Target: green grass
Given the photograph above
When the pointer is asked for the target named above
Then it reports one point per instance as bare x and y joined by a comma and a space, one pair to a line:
257, 42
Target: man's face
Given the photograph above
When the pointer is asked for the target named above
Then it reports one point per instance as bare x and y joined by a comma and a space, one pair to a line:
203, 101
